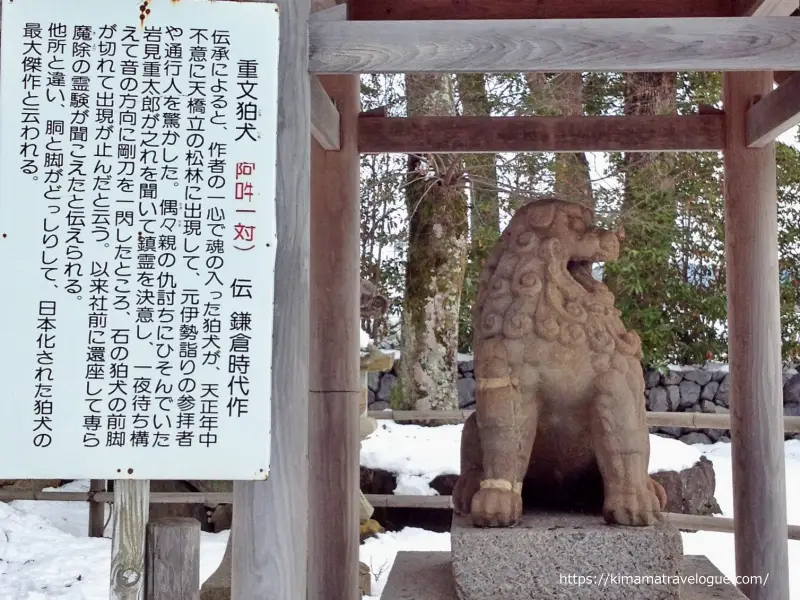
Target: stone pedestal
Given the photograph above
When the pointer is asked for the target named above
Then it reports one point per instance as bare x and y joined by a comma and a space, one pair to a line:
429, 576
560, 557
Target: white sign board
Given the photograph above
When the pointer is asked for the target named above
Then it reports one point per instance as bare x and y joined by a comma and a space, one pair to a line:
137, 238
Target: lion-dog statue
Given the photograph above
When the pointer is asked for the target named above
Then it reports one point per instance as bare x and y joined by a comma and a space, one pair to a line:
560, 407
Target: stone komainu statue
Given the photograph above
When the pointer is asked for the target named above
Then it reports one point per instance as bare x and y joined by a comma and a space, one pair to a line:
560, 413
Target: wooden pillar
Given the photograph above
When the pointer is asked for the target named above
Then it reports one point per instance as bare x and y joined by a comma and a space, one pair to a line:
97, 510
173, 559
131, 510
335, 328
751, 245
270, 518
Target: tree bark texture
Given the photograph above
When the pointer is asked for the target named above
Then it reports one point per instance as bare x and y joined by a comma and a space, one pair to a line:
437, 253
649, 209
484, 208
563, 96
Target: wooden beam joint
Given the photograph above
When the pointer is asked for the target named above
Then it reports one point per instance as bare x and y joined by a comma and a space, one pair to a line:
325, 125
774, 113
764, 8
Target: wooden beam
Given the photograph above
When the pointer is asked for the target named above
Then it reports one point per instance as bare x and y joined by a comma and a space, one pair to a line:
541, 134
678, 520
754, 346
774, 114
712, 44
270, 518
334, 355
320, 5
781, 76
324, 116
424, 10
334, 13
764, 8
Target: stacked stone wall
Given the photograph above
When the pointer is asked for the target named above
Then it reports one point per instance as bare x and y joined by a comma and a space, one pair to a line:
678, 389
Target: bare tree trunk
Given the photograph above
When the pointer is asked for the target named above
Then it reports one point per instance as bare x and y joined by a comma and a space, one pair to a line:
484, 201
563, 96
573, 180
648, 175
437, 253
649, 210
482, 168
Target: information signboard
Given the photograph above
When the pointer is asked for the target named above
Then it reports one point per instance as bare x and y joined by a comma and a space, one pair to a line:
137, 238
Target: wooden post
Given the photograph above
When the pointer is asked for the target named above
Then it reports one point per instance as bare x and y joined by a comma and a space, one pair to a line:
335, 357
131, 509
270, 518
97, 510
751, 245
173, 559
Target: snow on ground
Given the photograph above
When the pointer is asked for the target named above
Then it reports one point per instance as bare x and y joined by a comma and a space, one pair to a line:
46, 555
379, 552
419, 454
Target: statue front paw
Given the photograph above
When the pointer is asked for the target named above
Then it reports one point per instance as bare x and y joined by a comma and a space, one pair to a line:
640, 506
493, 507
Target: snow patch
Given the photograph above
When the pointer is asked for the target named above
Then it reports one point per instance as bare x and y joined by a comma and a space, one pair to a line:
681, 368
415, 453
365, 340
667, 454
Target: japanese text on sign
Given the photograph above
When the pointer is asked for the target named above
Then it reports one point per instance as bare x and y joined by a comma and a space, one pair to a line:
137, 207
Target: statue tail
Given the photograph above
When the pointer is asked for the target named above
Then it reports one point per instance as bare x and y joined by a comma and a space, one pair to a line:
659, 491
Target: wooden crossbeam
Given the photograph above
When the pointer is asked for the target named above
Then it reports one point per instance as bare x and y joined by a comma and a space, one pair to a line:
774, 114
644, 133
324, 116
424, 10
703, 44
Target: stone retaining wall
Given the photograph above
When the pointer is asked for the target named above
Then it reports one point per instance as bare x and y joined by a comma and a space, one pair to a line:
683, 389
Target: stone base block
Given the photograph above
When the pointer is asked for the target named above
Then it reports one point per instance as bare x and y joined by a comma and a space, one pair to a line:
429, 576
566, 557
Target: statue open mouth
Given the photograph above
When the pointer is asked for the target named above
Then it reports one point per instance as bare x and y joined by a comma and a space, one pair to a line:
581, 272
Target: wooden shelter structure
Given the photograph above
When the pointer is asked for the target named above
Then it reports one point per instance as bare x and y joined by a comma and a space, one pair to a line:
298, 529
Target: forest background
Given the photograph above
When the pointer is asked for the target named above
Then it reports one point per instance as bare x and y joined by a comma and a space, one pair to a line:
428, 221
